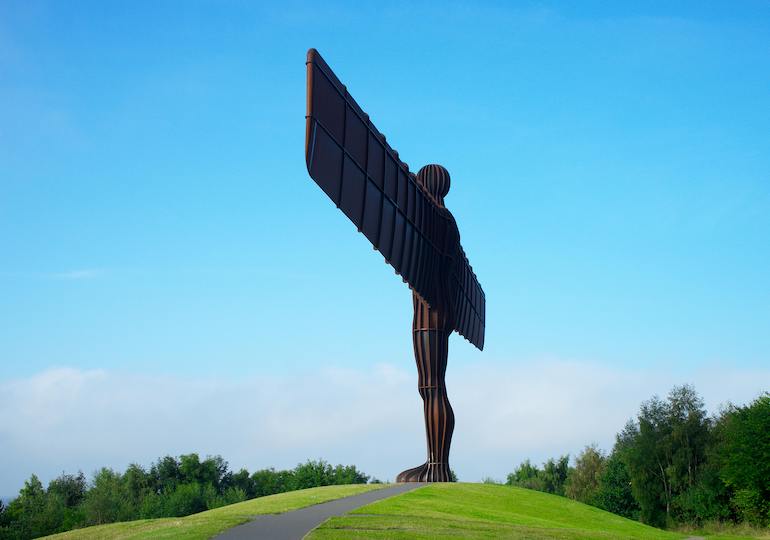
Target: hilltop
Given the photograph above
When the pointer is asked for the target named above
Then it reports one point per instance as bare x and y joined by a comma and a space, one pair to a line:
459, 510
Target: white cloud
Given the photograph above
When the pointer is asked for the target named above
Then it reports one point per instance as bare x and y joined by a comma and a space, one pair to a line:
70, 419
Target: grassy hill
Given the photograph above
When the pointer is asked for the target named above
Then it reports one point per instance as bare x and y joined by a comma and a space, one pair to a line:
207, 524
471, 511
483, 511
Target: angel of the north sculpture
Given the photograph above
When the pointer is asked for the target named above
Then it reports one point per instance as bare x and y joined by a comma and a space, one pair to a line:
405, 219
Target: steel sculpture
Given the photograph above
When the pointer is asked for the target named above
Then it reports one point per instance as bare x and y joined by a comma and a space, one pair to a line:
404, 218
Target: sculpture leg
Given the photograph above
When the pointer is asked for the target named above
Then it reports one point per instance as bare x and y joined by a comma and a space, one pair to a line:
431, 339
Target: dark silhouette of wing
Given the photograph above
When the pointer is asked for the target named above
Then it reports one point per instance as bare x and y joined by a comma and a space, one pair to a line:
470, 302
355, 166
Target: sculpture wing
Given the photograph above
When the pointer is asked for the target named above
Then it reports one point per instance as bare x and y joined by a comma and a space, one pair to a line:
470, 301
352, 162
355, 166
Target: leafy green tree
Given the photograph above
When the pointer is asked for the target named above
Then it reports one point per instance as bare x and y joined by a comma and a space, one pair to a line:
583, 482
665, 452
690, 429
27, 515
707, 501
66, 494
647, 456
743, 453
152, 506
554, 475
313, 474
71, 488
191, 469
214, 471
165, 475
5, 523
348, 474
186, 499
172, 487
138, 484
107, 501
614, 493
211, 470
270, 481
527, 476
242, 480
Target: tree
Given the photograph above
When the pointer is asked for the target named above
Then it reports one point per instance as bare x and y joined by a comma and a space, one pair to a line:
172, 487
312, 474
614, 493
665, 452
66, 494
26, 514
270, 481
211, 470
554, 475
527, 476
243, 481
71, 488
186, 499
138, 484
690, 429
348, 474
583, 482
165, 475
647, 456
107, 501
743, 452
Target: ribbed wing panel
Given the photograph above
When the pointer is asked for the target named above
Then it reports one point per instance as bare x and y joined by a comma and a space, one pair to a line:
355, 166
470, 302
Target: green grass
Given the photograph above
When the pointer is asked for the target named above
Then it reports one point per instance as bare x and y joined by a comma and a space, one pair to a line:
472, 511
467, 511
212, 522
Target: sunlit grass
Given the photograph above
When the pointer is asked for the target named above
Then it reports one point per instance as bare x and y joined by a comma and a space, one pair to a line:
475, 511
212, 522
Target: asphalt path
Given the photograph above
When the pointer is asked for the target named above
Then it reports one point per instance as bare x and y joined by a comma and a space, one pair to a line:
296, 524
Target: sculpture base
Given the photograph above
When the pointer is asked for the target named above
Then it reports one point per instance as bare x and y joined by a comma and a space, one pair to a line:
427, 472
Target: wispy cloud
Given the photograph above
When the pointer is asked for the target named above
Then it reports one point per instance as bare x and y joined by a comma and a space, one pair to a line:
69, 419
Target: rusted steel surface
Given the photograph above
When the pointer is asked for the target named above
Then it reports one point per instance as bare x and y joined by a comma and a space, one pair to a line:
404, 217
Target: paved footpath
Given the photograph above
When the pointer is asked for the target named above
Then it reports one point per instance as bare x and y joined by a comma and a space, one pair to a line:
296, 524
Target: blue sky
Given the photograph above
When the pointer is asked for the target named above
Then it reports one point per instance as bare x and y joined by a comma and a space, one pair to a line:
611, 181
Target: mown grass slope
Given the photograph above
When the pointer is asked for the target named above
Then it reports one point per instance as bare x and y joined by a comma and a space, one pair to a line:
212, 522
471, 511
483, 511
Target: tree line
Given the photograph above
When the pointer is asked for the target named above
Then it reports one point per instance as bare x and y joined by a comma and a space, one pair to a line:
672, 465
170, 487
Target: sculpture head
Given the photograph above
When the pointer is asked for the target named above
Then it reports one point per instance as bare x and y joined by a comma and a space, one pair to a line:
435, 179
